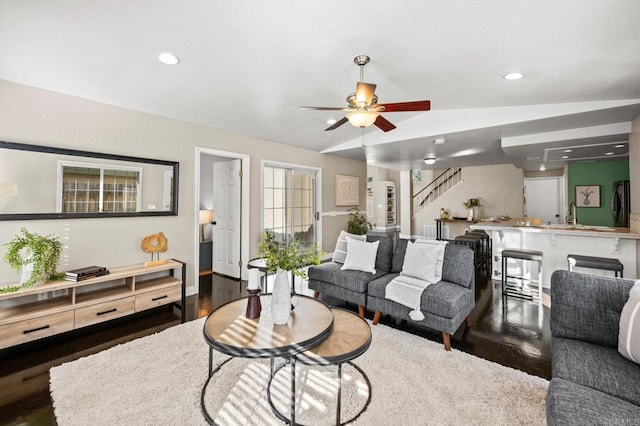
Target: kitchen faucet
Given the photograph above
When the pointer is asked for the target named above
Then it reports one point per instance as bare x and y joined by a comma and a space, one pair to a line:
573, 212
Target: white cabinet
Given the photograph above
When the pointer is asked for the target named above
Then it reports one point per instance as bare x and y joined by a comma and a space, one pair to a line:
383, 203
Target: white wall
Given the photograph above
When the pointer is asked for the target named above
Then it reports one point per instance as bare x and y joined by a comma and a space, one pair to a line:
500, 188
35, 116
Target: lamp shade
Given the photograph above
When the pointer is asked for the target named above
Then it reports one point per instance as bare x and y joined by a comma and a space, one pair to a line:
362, 118
206, 216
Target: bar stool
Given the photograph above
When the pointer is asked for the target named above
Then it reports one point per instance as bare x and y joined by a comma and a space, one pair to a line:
604, 263
475, 242
486, 248
521, 291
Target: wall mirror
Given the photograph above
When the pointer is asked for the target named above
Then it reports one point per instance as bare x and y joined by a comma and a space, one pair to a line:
41, 182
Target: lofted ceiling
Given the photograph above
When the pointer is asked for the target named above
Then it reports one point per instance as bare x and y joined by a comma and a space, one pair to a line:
246, 66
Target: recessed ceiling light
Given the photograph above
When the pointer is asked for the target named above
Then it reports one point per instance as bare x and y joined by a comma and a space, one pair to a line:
168, 58
568, 150
533, 158
439, 141
513, 76
564, 157
609, 153
331, 121
619, 146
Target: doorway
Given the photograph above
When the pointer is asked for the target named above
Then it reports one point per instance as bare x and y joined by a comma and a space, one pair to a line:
544, 198
222, 192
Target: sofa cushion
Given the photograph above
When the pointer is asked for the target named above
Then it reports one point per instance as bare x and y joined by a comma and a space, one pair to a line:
457, 266
442, 298
572, 404
385, 252
361, 256
331, 273
629, 335
340, 252
597, 367
440, 246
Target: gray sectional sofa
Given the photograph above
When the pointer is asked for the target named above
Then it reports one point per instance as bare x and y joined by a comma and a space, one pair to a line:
445, 304
592, 384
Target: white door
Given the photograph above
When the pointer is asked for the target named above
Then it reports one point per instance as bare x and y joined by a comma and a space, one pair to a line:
543, 199
226, 217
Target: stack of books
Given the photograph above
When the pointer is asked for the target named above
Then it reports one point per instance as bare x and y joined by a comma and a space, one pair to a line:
85, 273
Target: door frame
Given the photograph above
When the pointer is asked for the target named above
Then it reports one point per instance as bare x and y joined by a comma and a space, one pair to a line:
317, 170
245, 188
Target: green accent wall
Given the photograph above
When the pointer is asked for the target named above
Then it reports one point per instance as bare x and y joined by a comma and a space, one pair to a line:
603, 173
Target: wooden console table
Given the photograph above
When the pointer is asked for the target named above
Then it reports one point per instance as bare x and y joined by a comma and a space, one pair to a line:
439, 225
71, 305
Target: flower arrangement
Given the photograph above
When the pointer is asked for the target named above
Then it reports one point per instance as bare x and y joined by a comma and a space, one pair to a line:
42, 251
358, 223
472, 202
287, 255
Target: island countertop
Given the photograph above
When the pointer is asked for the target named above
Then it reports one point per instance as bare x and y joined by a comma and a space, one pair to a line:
557, 241
537, 226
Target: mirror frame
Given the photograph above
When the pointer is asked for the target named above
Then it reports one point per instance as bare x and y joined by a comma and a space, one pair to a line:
79, 153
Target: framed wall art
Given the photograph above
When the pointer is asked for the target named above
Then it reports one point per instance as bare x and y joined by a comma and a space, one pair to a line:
346, 190
588, 196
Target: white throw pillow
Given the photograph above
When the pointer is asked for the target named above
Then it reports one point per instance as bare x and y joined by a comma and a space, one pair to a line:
340, 252
629, 335
420, 262
361, 255
441, 245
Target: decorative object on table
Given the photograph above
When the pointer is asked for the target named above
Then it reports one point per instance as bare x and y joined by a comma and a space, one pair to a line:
284, 256
472, 205
154, 244
35, 256
346, 190
358, 223
82, 274
254, 307
444, 214
206, 218
588, 196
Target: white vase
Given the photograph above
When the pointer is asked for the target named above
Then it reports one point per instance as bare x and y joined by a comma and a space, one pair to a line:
471, 214
26, 272
281, 298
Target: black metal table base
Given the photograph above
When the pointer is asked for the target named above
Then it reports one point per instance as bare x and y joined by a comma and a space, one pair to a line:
291, 420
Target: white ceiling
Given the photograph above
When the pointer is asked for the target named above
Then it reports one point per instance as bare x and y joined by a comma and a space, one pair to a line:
247, 65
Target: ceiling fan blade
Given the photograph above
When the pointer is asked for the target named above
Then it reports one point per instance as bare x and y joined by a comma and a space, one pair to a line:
384, 124
322, 108
364, 93
407, 106
337, 124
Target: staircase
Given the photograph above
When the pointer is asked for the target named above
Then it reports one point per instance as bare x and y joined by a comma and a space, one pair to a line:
438, 187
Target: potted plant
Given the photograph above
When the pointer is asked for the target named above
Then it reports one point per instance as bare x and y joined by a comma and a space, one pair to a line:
35, 256
358, 223
282, 257
472, 204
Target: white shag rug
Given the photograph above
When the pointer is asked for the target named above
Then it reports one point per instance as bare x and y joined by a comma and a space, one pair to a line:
158, 380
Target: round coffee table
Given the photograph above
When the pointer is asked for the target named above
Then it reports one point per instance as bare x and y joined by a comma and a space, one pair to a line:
349, 338
228, 331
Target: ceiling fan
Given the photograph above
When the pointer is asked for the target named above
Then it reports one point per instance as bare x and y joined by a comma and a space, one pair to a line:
363, 109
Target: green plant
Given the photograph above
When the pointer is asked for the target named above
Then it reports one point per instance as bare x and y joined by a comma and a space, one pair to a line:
287, 255
472, 202
358, 223
42, 251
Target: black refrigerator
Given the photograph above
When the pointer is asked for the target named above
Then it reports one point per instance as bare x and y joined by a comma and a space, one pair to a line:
621, 204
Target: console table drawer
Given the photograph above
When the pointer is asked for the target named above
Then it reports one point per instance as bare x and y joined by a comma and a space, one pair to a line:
36, 328
158, 297
104, 311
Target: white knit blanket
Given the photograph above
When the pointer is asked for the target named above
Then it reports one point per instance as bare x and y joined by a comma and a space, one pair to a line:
408, 292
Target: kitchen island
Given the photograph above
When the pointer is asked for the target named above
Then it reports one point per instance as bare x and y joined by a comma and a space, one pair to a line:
556, 241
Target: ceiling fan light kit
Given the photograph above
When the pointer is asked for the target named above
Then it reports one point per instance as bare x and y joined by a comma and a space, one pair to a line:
363, 109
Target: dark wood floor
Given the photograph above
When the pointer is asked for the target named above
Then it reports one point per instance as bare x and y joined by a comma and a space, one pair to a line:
517, 336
